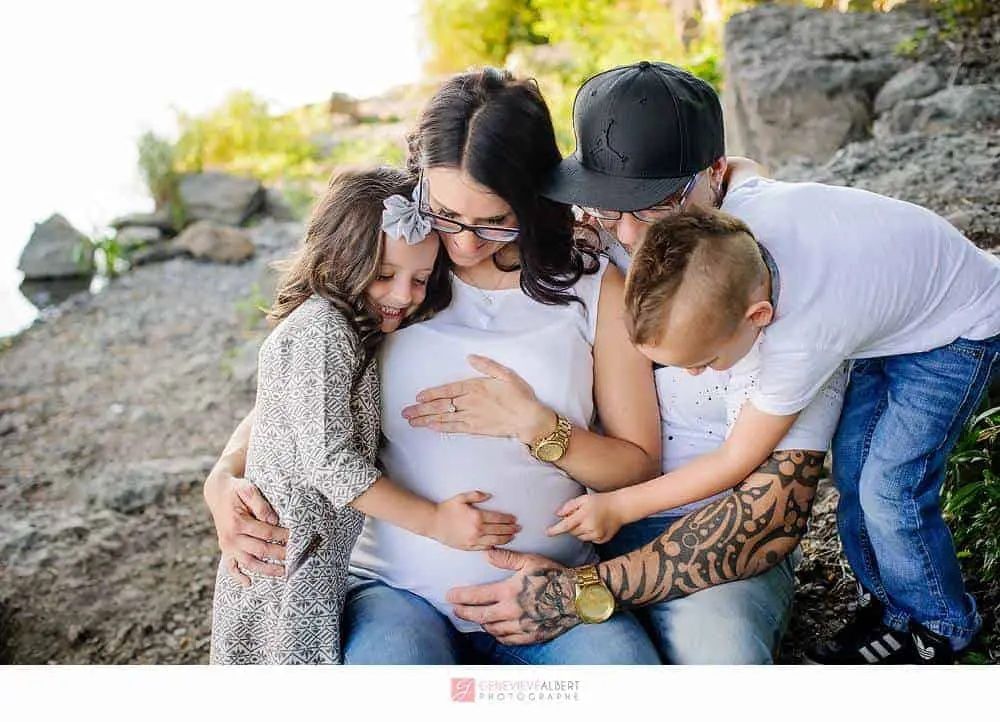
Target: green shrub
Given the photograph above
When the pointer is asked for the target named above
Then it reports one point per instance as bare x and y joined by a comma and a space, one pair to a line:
972, 496
158, 165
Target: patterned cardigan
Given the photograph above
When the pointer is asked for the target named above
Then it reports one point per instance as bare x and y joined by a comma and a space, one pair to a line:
312, 451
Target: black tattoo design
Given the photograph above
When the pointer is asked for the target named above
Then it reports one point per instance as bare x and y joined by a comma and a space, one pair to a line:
546, 602
736, 537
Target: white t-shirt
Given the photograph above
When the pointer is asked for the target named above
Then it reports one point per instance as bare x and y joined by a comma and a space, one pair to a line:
698, 412
551, 347
861, 276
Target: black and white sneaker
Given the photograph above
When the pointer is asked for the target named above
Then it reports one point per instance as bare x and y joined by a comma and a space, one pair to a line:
930, 648
865, 640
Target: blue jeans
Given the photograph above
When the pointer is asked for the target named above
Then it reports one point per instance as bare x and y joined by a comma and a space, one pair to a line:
385, 625
739, 622
901, 418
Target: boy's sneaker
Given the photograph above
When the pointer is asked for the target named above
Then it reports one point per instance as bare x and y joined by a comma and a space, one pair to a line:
866, 640
930, 648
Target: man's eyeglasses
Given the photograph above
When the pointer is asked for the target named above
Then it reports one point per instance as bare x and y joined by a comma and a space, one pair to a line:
668, 207
493, 234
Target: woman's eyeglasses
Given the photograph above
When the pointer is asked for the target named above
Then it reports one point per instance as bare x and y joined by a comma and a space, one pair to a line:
661, 210
493, 234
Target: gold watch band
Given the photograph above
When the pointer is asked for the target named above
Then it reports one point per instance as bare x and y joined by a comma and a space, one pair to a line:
552, 446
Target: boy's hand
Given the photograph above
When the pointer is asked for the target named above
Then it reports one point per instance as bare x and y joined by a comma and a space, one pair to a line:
591, 517
459, 524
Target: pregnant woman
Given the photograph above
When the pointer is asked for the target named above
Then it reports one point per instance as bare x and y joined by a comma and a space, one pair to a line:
547, 317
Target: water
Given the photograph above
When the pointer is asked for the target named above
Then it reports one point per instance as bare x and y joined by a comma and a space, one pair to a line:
84, 80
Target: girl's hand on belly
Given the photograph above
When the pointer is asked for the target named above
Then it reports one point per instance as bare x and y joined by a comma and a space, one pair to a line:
459, 524
499, 404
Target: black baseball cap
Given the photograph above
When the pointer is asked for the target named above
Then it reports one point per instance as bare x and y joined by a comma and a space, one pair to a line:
642, 131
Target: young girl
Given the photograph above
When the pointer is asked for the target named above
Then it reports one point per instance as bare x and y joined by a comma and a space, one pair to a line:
369, 263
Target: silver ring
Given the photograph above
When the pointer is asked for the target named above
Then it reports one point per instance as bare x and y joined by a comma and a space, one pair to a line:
451, 406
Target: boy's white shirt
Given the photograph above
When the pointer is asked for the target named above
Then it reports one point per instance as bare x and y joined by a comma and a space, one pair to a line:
697, 413
861, 276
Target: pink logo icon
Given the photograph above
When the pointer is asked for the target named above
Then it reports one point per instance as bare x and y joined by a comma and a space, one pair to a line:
463, 689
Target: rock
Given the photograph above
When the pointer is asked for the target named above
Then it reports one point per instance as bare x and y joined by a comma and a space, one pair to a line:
57, 250
963, 107
157, 219
276, 207
950, 173
800, 82
220, 197
46, 293
917, 81
209, 241
131, 488
274, 235
156, 253
135, 237
76, 634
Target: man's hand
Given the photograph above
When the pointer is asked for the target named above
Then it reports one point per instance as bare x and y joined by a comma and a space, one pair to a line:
246, 540
534, 605
591, 517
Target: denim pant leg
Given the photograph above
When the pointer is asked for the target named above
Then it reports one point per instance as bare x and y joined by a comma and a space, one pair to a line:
385, 625
739, 622
931, 397
864, 402
619, 640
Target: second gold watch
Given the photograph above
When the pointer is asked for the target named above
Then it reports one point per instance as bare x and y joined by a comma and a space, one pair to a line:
552, 446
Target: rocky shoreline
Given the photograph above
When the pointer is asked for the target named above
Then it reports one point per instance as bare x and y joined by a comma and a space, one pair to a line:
113, 407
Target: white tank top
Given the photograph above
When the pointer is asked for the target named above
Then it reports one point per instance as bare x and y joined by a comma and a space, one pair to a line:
551, 347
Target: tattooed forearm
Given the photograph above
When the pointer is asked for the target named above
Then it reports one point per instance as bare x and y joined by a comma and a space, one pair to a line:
735, 537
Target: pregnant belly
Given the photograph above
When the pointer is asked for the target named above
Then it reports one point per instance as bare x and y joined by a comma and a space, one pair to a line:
520, 485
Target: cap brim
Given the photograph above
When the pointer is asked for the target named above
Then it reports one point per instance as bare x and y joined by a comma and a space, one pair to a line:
571, 183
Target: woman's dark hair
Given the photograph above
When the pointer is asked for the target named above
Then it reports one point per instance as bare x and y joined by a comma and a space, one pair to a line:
498, 130
342, 252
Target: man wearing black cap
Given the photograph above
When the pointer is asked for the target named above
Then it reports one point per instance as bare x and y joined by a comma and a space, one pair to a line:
650, 141
909, 299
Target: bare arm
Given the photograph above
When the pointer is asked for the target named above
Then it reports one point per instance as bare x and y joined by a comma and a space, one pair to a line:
628, 451
238, 508
753, 439
736, 537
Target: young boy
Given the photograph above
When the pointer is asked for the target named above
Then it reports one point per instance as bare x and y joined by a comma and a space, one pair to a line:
918, 309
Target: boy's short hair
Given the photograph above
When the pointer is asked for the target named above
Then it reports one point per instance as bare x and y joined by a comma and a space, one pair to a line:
708, 257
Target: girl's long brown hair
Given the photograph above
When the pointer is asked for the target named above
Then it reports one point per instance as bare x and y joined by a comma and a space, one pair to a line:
342, 251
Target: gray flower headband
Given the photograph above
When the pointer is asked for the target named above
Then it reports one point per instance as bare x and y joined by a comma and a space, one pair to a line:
401, 218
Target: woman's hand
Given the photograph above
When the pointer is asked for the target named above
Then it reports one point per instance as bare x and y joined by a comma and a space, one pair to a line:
459, 524
246, 525
500, 403
591, 517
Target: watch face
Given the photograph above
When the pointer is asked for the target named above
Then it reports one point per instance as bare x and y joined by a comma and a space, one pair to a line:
550, 451
595, 603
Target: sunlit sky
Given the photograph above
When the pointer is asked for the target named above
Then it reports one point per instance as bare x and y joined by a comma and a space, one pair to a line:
82, 80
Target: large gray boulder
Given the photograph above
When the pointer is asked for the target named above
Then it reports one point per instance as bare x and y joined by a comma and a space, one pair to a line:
801, 82
56, 250
962, 107
952, 173
220, 197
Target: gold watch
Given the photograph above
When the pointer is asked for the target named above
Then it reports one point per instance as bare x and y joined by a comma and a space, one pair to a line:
594, 601
552, 446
